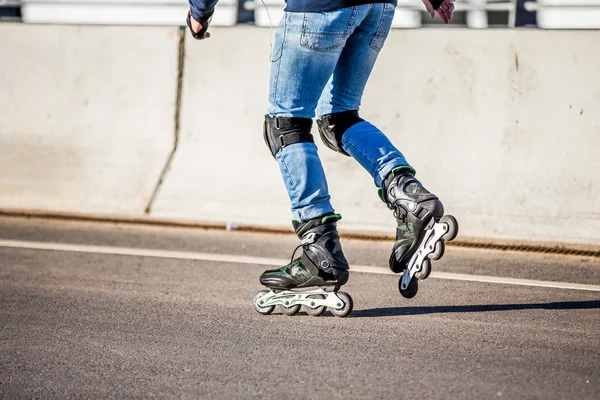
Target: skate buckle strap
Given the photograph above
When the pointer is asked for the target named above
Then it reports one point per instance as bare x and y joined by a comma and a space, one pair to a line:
309, 239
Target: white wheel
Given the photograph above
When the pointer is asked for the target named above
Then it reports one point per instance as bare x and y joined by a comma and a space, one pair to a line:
452, 225
316, 311
425, 270
293, 310
438, 251
346, 306
258, 303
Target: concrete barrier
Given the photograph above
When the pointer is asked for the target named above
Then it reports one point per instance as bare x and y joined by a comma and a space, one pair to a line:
503, 125
222, 170
505, 131
86, 116
128, 12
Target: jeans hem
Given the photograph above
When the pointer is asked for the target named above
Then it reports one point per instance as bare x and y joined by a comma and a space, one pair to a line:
387, 168
312, 211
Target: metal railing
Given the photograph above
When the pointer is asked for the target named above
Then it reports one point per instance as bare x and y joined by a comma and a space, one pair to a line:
120, 12
411, 13
10, 10
475, 13
566, 14
551, 14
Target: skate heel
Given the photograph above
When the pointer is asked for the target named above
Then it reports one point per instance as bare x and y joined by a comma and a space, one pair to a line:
315, 301
431, 247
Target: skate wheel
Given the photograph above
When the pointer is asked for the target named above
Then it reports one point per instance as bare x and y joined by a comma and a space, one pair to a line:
424, 272
452, 224
411, 290
438, 251
347, 306
257, 303
293, 310
315, 311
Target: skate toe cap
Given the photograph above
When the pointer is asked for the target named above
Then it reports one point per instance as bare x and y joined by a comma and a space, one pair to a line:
273, 281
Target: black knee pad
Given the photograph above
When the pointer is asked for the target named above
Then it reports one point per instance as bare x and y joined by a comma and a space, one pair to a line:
333, 126
280, 132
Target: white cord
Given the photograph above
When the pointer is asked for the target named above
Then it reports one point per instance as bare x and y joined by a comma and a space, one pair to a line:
270, 28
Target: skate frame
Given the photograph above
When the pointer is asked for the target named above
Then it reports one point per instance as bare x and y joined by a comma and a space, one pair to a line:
293, 297
427, 246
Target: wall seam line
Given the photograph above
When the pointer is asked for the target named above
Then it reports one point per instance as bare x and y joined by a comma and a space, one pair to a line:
179, 87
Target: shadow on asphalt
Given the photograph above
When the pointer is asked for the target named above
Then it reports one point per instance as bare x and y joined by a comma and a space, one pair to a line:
399, 311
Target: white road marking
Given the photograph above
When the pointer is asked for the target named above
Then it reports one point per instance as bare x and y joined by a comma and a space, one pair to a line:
231, 258
487, 279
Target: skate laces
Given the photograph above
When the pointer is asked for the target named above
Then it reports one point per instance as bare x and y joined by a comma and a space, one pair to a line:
294, 253
402, 217
309, 239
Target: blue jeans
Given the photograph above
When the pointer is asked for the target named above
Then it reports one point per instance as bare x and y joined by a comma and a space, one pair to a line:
320, 64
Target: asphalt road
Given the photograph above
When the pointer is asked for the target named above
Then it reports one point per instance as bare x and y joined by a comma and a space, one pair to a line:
77, 323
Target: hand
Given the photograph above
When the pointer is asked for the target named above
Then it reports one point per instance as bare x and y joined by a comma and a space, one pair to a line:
445, 9
199, 28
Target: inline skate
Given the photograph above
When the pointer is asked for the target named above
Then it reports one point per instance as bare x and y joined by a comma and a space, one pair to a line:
421, 228
312, 280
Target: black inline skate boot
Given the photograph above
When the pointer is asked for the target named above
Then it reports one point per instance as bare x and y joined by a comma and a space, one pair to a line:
305, 280
322, 262
421, 227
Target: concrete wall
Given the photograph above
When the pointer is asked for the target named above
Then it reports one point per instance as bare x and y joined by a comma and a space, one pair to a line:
86, 116
222, 170
505, 131
503, 125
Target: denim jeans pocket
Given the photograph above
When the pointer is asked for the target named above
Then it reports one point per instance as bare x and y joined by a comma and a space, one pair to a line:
327, 30
384, 27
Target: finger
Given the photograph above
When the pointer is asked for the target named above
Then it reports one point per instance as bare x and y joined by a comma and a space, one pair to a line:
431, 11
429, 8
442, 15
447, 11
451, 8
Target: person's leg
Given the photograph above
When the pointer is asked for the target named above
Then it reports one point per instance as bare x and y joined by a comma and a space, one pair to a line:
307, 49
344, 131
343, 92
